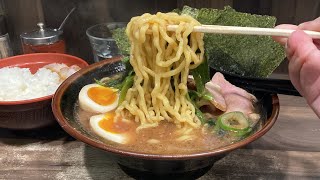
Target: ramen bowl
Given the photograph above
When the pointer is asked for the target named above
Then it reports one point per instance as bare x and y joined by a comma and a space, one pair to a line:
137, 164
36, 112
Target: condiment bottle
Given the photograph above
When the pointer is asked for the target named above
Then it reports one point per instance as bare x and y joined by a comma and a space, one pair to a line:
5, 44
43, 40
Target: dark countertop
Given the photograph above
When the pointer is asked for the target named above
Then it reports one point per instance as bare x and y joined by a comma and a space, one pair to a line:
291, 149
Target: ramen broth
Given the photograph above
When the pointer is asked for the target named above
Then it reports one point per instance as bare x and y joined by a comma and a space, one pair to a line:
163, 138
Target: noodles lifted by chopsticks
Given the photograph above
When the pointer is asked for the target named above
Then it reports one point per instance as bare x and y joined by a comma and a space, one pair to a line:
161, 61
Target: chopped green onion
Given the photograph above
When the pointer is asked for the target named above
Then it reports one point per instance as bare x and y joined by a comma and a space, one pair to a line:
235, 122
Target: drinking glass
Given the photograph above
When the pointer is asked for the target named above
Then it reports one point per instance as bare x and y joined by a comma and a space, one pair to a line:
102, 43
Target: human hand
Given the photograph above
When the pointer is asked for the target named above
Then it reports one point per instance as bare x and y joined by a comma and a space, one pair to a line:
304, 61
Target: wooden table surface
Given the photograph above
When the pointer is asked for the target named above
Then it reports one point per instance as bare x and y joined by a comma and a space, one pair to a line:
290, 150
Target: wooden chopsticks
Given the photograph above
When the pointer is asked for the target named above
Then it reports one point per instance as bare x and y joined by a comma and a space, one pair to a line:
245, 30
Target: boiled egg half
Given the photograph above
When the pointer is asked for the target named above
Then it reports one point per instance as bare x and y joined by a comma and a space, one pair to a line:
105, 126
98, 99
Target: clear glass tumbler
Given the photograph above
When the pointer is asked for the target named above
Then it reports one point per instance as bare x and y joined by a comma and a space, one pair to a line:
102, 43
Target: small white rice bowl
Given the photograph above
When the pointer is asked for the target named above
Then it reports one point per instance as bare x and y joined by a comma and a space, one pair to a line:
20, 84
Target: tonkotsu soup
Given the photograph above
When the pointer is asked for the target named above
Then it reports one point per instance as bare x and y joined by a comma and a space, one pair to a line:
163, 139
154, 106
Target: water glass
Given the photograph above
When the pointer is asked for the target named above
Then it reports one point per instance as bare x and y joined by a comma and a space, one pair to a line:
102, 43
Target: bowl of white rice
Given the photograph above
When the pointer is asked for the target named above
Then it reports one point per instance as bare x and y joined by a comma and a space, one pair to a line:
27, 85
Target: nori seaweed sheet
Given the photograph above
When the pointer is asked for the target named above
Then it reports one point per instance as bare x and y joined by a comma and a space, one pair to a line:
252, 56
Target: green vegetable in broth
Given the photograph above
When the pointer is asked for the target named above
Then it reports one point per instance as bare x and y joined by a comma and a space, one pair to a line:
211, 122
235, 123
129, 69
200, 115
201, 77
122, 81
127, 83
192, 96
110, 82
123, 44
100, 82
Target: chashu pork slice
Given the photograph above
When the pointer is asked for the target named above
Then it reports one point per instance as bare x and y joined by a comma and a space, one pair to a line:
229, 98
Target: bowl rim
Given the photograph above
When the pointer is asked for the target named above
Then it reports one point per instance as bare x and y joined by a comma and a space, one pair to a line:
42, 98
103, 146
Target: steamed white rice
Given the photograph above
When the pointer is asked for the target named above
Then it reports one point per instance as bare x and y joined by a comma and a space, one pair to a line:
20, 84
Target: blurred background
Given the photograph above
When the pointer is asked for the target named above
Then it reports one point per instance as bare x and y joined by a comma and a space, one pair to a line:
19, 16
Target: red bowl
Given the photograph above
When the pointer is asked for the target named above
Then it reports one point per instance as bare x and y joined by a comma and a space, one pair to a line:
32, 113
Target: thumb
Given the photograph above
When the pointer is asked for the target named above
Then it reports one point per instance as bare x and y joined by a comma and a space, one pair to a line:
300, 45
283, 40
312, 26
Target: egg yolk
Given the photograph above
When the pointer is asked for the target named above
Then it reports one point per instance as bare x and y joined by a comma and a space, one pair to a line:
108, 124
102, 95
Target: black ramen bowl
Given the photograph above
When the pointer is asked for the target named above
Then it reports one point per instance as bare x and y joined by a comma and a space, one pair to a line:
141, 165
